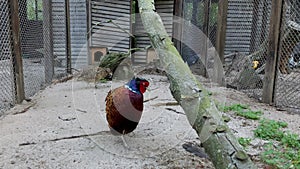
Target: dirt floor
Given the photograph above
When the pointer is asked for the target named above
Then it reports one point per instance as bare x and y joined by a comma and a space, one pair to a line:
64, 126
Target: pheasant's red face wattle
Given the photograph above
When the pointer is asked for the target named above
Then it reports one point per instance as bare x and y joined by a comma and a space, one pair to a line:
143, 86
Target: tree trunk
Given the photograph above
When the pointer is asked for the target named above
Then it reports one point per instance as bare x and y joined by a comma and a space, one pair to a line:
215, 136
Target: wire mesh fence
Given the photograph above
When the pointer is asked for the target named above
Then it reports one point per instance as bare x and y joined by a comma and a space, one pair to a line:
247, 34
287, 89
247, 44
7, 85
31, 26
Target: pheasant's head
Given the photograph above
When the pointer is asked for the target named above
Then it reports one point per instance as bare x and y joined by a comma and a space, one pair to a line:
138, 85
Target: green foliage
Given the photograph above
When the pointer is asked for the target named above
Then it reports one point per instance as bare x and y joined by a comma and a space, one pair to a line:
244, 141
270, 129
112, 60
291, 140
243, 111
281, 156
213, 13
286, 154
283, 151
249, 114
234, 107
103, 80
32, 14
213, 17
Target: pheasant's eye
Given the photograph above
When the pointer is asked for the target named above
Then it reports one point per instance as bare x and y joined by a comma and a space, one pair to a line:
145, 83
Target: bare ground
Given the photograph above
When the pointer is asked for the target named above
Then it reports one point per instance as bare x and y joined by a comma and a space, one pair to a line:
64, 126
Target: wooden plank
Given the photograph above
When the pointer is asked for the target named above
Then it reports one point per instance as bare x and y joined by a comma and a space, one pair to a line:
220, 39
221, 28
273, 52
18, 64
204, 49
68, 37
89, 28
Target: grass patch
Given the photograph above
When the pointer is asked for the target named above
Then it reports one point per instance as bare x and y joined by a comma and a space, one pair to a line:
103, 80
283, 149
270, 129
249, 114
234, 107
242, 110
285, 153
281, 157
244, 141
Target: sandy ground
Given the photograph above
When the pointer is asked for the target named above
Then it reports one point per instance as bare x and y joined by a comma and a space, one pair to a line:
57, 129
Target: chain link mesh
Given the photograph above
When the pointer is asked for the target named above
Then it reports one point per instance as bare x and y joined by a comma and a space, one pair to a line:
31, 24
7, 86
288, 81
246, 45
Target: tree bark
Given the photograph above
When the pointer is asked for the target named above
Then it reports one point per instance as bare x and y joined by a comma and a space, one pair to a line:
219, 143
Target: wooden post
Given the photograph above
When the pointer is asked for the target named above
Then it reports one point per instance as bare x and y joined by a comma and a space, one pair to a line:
89, 28
133, 11
273, 52
68, 37
48, 40
36, 10
205, 31
221, 28
17, 59
220, 42
177, 24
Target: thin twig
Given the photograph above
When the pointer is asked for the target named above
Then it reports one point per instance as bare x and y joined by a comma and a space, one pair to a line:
66, 138
110, 21
25, 109
166, 104
173, 110
153, 98
118, 26
69, 77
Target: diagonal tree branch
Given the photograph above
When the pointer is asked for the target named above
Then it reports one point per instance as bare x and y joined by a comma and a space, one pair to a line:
218, 141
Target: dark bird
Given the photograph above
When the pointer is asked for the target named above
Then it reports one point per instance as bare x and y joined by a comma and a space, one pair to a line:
124, 106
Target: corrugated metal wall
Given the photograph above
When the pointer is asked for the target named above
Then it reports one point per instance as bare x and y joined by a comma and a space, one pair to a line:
165, 10
78, 26
239, 21
108, 35
59, 29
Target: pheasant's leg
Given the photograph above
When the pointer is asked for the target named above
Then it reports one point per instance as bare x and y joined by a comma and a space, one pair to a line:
123, 139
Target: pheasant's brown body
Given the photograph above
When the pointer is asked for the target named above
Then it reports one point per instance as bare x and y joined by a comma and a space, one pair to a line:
123, 110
